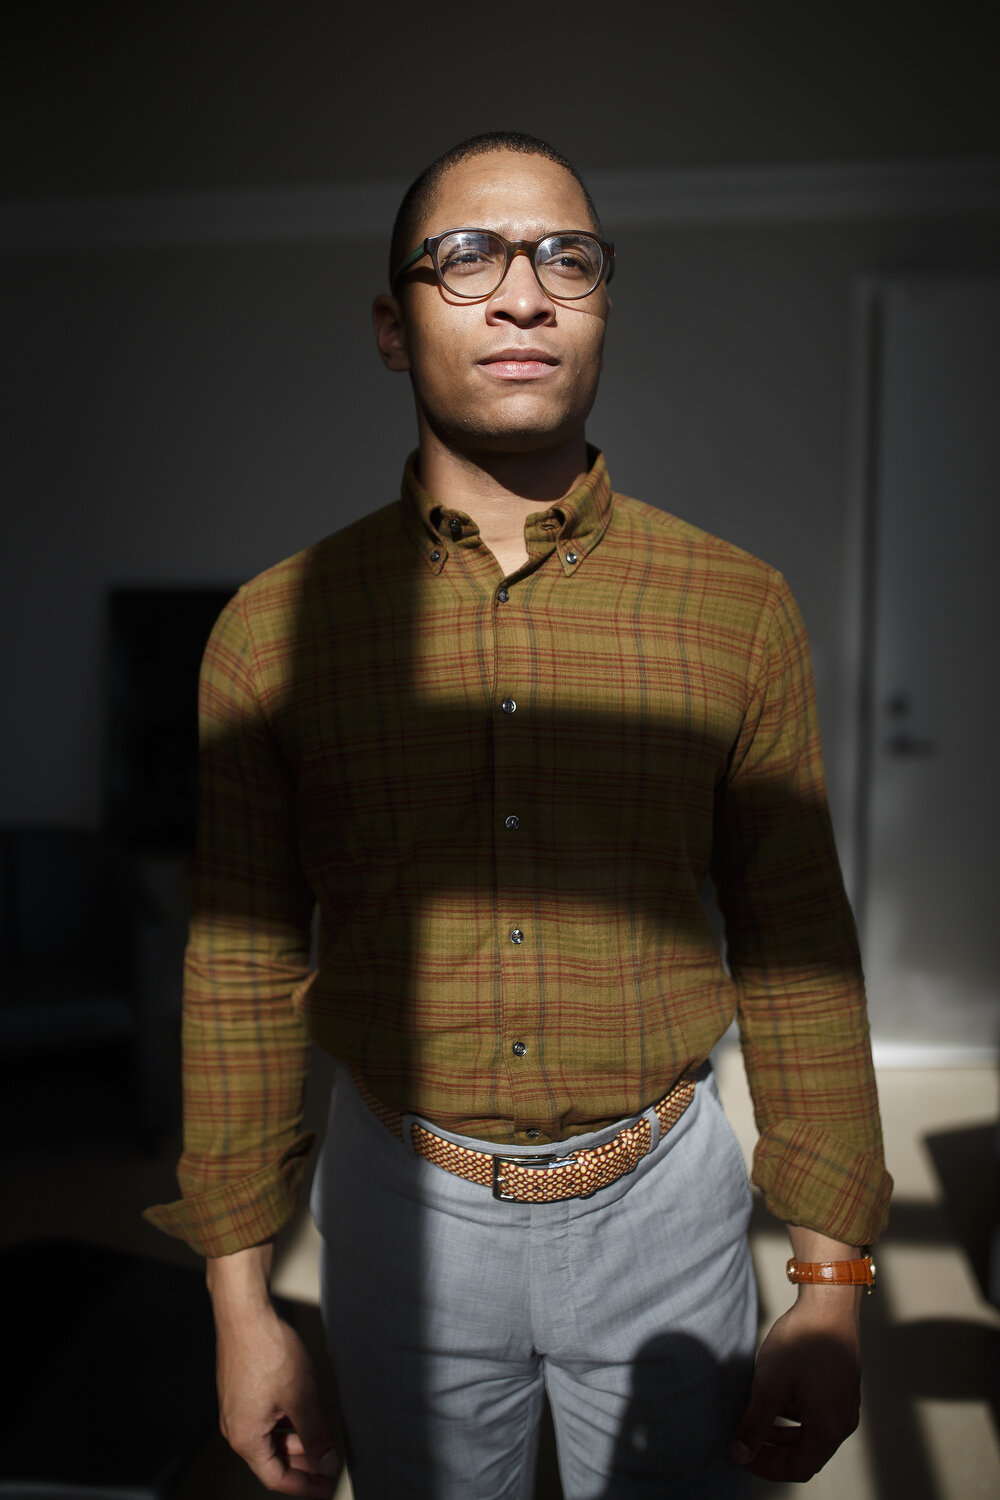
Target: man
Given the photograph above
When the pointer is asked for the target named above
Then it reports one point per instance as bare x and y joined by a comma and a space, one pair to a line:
501, 731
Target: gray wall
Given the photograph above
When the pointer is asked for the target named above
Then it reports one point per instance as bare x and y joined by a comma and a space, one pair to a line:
194, 412
176, 95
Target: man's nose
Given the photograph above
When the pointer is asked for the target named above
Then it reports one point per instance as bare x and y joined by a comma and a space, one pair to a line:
520, 298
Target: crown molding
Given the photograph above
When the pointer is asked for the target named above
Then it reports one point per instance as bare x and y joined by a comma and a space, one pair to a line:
628, 200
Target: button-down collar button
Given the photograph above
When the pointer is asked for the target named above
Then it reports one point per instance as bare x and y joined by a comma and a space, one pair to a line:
571, 558
435, 556
550, 525
532, 1134
519, 1049
509, 706
512, 821
455, 527
516, 936
503, 595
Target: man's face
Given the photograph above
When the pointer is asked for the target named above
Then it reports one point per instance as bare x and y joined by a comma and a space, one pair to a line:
516, 371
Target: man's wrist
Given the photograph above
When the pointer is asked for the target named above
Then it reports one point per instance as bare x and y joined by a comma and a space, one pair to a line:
240, 1283
813, 1245
837, 1306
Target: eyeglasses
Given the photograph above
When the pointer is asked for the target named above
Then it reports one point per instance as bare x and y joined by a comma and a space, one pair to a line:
473, 262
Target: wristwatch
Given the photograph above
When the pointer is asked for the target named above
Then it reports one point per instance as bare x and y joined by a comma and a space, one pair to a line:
860, 1272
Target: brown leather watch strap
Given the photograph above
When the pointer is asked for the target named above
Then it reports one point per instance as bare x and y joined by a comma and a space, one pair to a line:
860, 1272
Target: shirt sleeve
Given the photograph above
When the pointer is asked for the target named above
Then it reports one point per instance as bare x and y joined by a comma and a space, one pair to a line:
246, 964
793, 955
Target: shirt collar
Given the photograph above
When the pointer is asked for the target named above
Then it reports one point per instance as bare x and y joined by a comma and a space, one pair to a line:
573, 526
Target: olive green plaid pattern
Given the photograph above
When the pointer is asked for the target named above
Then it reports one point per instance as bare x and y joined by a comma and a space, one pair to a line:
505, 796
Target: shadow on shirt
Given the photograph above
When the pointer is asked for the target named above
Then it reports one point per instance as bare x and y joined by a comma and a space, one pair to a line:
371, 726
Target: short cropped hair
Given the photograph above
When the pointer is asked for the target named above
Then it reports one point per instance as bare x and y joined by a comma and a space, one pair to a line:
419, 195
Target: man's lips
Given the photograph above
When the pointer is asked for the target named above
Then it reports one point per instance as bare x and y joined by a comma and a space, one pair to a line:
519, 364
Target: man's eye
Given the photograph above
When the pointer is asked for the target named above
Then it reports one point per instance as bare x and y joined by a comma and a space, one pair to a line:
567, 267
461, 260
568, 261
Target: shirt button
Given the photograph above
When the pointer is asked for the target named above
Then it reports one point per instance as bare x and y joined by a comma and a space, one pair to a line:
512, 821
550, 525
455, 527
571, 558
503, 595
516, 936
519, 1049
435, 556
532, 1134
508, 705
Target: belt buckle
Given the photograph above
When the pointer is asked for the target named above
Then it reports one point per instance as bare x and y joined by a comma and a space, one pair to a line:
534, 1163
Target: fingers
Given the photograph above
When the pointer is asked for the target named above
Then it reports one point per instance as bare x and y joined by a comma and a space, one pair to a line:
768, 1399
291, 1449
804, 1399
780, 1449
275, 1474
269, 1408
790, 1454
310, 1437
284, 1464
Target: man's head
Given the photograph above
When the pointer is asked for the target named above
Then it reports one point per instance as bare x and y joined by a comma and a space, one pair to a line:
419, 196
515, 370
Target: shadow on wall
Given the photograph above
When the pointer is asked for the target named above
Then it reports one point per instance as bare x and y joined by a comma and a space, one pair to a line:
968, 1166
929, 1359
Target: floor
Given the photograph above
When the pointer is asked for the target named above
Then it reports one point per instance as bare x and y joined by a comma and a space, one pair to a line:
932, 1408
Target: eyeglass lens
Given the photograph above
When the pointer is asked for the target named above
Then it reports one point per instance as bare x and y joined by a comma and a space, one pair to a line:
471, 263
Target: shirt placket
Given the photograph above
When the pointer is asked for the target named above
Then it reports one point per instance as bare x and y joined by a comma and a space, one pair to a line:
519, 936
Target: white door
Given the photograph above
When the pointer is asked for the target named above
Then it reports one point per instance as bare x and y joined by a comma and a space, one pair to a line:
930, 896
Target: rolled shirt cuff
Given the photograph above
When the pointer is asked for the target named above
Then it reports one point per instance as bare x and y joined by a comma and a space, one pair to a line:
238, 1213
811, 1177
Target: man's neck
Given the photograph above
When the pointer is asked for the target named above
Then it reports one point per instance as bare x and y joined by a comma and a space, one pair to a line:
500, 490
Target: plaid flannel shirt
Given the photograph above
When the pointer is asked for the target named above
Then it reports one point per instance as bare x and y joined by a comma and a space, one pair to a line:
505, 796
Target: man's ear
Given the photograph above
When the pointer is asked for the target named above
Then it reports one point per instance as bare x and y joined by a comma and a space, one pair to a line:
390, 332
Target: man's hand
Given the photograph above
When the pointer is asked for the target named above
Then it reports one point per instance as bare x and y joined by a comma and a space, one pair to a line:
269, 1409
808, 1373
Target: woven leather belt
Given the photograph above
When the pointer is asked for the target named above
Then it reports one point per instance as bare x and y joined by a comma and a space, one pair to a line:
539, 1179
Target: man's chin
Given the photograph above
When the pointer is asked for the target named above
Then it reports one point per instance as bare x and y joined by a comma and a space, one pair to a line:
512, 440
511, 432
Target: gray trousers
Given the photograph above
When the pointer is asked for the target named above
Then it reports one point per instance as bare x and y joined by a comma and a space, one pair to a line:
449, 1313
